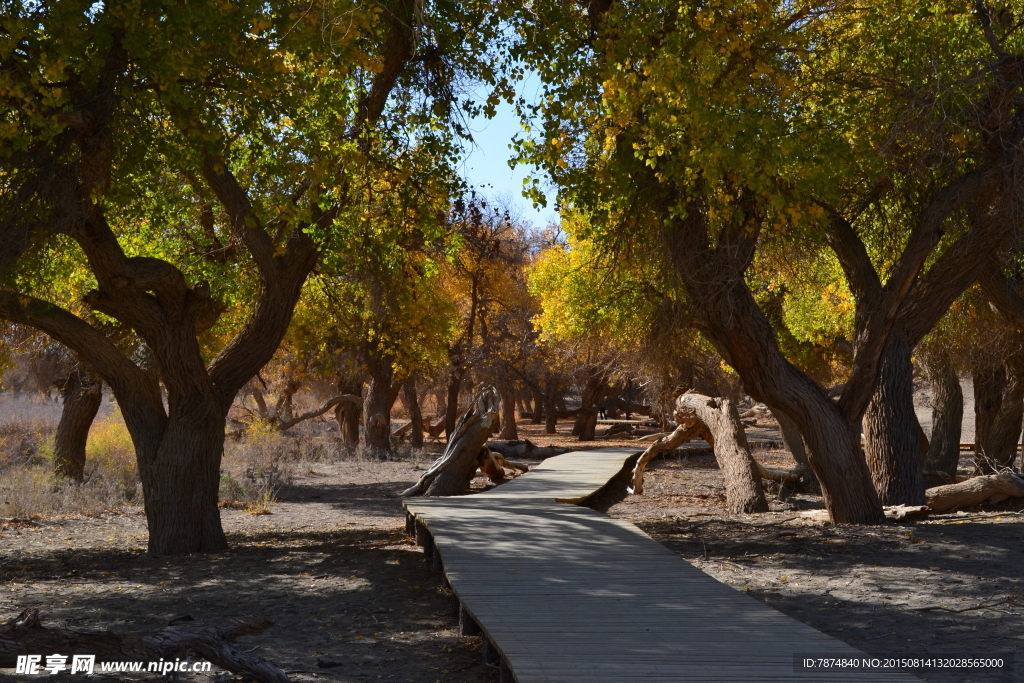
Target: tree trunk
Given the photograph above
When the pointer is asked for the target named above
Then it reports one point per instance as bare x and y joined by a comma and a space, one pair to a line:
181, 478
891, 443
452, 473
412, 405
687, 430
83, 393
538, 405
989, 380
1000, 446
377, 404
507, 392
586, 418
947, 411
451, 414
743, 490
347, 414
550, 408
791, 437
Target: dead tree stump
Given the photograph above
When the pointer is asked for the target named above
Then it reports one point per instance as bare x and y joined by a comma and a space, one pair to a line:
451, 474
717, 420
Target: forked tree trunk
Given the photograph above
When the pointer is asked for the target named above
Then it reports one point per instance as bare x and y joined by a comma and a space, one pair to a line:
377, 405
412, 405
507, 392
989, 380
687, 430
82, 391
743, 490
347, 414
550, 408
1003, 437
452, 473
947, 411
891, 443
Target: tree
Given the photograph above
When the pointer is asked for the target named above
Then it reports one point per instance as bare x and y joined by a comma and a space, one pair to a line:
247, 121
740, 123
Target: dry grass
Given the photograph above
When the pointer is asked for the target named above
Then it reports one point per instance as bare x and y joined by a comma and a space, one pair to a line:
28, 486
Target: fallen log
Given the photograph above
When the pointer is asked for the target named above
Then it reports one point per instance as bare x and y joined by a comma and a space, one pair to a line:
687, 430
211, 641
991, 488
524, 449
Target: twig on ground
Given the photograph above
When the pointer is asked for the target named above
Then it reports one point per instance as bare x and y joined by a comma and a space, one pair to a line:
958, 611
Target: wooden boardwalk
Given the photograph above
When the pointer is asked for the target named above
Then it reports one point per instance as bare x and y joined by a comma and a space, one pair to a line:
566, 594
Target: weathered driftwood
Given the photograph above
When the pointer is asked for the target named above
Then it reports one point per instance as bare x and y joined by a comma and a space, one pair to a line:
493, 465
524, 448
451, 474
743, 490
991, 488
687, 430
211, 641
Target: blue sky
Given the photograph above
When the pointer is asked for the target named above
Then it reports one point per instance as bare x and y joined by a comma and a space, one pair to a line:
486, 164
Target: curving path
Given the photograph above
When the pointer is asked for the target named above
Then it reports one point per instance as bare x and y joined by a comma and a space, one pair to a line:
565, 594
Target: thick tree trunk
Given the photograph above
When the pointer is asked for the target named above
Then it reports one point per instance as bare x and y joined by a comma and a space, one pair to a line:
507, 391
891, 443
346, 413
989, 379
947, 411
538, 405
412, 405
181, 478
451, 414
377, 405
550, 408
83, 393
452, 473
743, 490
1000, 445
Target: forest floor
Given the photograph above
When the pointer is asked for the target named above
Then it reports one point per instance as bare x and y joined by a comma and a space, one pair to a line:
352, 599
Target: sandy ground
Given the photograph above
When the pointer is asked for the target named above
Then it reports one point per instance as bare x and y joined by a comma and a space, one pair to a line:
352, 599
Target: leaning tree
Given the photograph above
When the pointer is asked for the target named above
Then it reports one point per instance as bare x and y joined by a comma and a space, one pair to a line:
245, 125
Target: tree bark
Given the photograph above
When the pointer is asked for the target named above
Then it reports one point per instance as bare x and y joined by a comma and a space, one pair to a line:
550, 409
687, 430
538, 405
586, 419
507, 391
989, 379
743, 490
412, 405
451, 414
347, 413
947, 411
992, 488
452, 473
82, 391
1000, 446
791, 438
891, 443
377, 404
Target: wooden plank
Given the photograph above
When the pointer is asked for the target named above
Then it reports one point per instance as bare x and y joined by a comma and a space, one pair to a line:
569, 595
